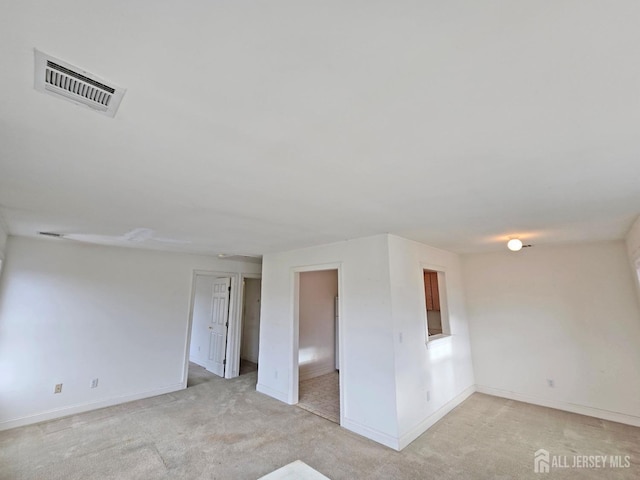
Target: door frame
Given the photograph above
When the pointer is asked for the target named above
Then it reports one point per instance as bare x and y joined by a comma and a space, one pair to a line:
295, 295
233, 314
234, 335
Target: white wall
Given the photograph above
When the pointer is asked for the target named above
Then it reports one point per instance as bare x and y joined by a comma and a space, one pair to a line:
385, 365
443, 368
367, 371
633, 250
538, 314
317, 344
251, 320
71, 312
633, 240
3, 238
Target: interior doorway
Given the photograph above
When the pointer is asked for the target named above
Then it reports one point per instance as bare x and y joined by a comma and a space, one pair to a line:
250, 331
318, 343
210, 321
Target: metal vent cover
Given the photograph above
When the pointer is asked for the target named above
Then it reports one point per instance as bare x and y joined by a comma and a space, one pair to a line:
63, 80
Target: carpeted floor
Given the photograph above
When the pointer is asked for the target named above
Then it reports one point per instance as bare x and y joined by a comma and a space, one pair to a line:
224, 429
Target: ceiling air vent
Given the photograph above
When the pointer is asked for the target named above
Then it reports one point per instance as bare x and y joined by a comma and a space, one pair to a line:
55, 77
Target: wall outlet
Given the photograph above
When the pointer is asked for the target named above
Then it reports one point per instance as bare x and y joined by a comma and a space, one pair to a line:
428, 395
58, 388
275, 374
550, 382
94, 383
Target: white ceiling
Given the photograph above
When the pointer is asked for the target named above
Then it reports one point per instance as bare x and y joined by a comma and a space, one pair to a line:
258, 126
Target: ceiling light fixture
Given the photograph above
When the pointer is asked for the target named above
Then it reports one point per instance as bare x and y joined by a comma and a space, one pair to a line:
514, 244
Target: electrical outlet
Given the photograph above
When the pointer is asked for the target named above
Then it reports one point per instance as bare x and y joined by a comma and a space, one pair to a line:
550, 382
94, 383
428, 395
275, 374
58, 388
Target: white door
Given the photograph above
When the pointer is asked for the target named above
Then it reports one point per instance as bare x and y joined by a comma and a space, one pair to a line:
218, 325
210, 322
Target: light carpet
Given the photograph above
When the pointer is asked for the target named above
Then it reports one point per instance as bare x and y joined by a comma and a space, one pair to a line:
223, 429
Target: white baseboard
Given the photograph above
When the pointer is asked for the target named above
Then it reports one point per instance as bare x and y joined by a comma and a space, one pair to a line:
375, 435
313, 370
282, 396
428, 422
197, 362
85, 407
560, 405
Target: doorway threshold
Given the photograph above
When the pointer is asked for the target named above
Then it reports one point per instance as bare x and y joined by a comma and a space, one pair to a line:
321, 396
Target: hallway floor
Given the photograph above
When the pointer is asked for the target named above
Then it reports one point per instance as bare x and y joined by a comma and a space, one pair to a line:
247, 367
321, 396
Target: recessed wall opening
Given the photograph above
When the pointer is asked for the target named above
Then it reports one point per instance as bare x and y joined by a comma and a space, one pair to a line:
435, 303
250, 336
318, 343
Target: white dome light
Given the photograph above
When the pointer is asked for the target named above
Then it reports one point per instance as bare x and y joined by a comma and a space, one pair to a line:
514, 244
